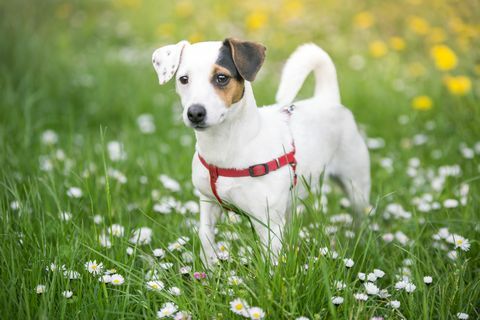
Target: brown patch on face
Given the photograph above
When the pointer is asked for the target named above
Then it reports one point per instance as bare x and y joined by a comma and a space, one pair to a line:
231, 92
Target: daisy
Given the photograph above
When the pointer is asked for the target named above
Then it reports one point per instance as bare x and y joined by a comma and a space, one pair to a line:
302, 318
49, 137
427, 280
450, 203
116, 230
159, 253
67, 294
371, 288
104, 240
337, 300
116, 279
182, 315
168, 309
142, 235
71, 274
93, 267
41, 288
372, 277
185, 270
462, 316
116, 151
106, 278
97, 219
378, 273
410, 287
169, 183
361, 276
256, 313
340, 285
155, 285
395, 304
453, 255
235, 280
129, 251
360, 296
175, 291
74, 192
461, 242
65, 216
239, 306
348, 263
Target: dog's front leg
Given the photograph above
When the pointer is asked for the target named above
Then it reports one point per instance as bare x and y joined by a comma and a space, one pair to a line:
270, 232
209, 213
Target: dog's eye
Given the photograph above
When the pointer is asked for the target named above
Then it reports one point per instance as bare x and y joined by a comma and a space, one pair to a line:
183, 79
222, 79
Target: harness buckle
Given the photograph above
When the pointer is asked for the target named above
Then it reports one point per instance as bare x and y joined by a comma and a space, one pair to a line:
254, 172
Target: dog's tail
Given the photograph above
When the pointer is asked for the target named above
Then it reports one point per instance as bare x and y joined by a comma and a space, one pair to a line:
307, 58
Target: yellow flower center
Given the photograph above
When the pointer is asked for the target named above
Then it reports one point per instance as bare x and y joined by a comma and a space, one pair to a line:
239, 306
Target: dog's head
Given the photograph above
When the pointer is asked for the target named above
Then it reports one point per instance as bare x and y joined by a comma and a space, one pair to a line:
210, 76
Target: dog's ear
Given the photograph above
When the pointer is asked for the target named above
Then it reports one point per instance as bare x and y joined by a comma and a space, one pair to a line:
247, 56
167, 59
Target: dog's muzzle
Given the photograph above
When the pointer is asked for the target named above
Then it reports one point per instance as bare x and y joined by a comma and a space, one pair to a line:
196, 113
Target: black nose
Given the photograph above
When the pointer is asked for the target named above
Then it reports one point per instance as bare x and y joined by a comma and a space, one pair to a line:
196, 113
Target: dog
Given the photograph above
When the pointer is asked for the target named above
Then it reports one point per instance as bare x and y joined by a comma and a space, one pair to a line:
251, 157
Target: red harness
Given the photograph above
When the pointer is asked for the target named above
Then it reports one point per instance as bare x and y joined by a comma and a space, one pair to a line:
256, 170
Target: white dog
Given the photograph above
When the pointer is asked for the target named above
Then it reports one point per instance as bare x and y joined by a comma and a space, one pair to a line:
249, 156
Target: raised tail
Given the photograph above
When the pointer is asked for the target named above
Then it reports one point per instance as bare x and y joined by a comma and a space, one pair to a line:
307, 58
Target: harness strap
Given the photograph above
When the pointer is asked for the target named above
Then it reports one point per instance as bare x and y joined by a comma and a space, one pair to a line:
256, 170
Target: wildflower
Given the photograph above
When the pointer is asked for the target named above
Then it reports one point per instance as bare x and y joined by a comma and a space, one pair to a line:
395, 304
444, 57
427, 280
65, 216
239, 306
199, 275
422, 103
378, 49
400, 285
168, 309
41, 288
155, 285
182, 315
97, 219
302, 318
159, 253
256, 20
116, 230
256, 313
372, 277
450, 203
115, 151
397, 43
348, 263
459, 85
418, 25
104, 240
169, 183
361, 276
175, 291
185, 270
462, 316
71, 274
142, 235
364, 20
360, 296
49, 137
129, 251
145, 123
74, 192
340, 285
106, 278
67, 294
235, 280
337, 300
378, 273
116, 279
453, 255
437, 35
93, 267
459, 242
166, 265
371, 288
410, 287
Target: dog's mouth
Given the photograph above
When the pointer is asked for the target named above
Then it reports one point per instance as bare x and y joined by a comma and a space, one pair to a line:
199, 127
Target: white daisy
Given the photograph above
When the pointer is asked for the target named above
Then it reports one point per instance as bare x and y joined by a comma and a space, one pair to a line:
360, 296
361, 276
71, 274
462, 316
41, 288
378, 273
116, 279
169, 183
67, 294
240, 307
155, 285
256, 313
116, 151
348, 263
49, 137
159, 253
142, 235
93, 267
116, 230
168, 309
340, 285
65, 216
182, 315
371, 288
410, 287
175, 291
235, 280
395, 304
97, 219
74, 192
337, 300
450, 203
129, 251
106, 278
427, 280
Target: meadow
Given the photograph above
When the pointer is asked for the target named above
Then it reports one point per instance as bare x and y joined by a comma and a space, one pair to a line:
98, 214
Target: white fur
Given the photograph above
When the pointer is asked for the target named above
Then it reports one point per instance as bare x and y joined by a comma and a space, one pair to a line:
324, 132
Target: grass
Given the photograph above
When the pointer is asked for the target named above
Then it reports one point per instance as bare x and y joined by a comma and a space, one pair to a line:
82, 69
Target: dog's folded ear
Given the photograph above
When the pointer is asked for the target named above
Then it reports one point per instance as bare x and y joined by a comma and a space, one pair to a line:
167, 59
248, 57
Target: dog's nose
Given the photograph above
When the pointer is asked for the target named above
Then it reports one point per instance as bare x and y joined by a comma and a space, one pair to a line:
196, 113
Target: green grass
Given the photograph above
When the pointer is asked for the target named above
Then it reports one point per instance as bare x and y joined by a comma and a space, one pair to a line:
85, 73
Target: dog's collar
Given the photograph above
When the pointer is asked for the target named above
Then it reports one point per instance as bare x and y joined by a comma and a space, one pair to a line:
256, 170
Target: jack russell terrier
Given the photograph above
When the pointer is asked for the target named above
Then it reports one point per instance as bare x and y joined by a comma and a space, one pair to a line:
250, 157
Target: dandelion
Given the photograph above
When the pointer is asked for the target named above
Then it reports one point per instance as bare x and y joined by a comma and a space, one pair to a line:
67, 294
427, 280
444, 57
397, 43
155, 285
378, 49
337, 300
418, 25
364, 20
41, 288
168, 309
348, 263
395, 304
93, 267
256, 20
422, 103
360, 296
459, 85
256, 313
74, 192
116, 279
240, 307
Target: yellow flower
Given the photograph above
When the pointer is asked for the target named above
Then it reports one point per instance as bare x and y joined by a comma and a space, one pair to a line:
445, 58
378, 49
256, 20
397, 43
459, 85
293, 9
418, 25
437, 35
184, 8
422, 103
195, 37
416, 69
364, 20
